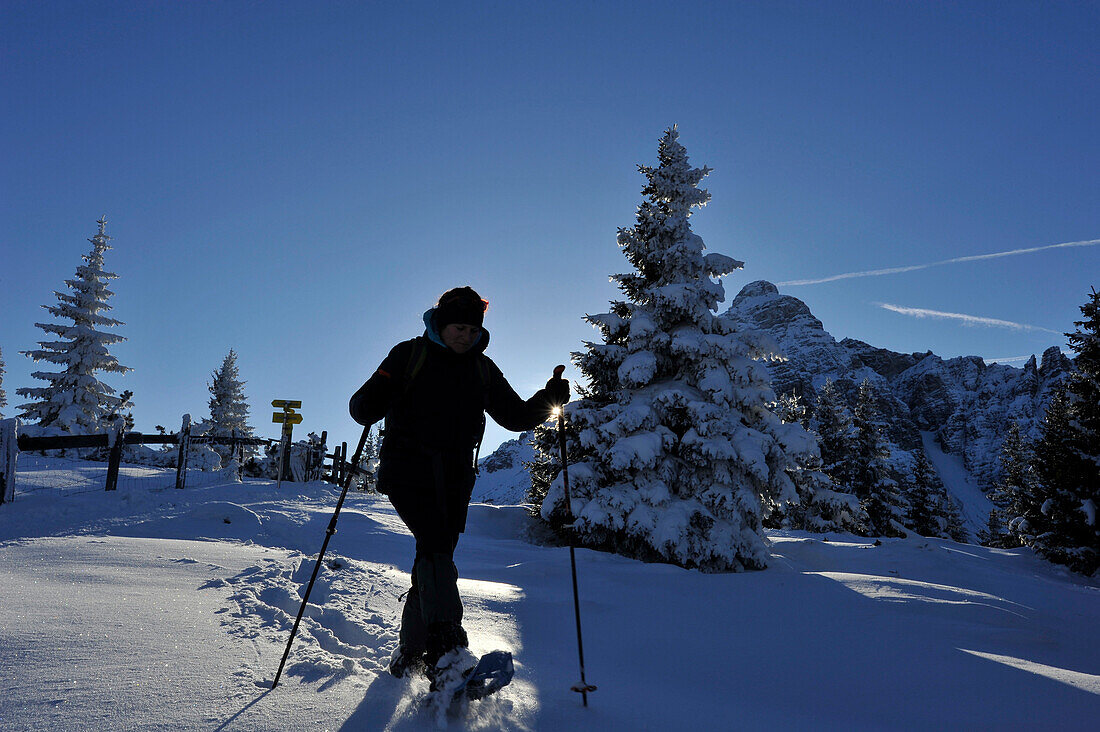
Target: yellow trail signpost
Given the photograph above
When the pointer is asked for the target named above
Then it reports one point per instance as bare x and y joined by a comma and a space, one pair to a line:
287, 418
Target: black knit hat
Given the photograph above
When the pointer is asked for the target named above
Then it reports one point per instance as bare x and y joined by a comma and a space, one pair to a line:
460, 305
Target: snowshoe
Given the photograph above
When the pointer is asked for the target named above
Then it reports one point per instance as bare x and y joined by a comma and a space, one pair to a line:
451, 669
493, 672
455, 686
405, 662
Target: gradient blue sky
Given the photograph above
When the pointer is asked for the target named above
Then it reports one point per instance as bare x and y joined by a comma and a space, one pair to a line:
300, 181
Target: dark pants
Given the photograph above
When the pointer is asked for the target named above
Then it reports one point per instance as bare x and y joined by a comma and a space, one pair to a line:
435, 515
433, 597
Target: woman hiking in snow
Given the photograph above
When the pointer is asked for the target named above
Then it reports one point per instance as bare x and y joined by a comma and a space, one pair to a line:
433, 392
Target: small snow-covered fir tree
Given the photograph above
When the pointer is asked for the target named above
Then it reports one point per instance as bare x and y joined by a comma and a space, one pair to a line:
679, 458
546, 465
931, 510
823, 505
229, 407
832, 422
368, 461
789, 408
74, 400
1014, 494
872, 482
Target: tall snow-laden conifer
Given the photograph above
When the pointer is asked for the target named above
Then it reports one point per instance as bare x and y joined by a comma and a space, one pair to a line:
678, 456
824, 505
1014, 495
833, 424
931, 510
1067, 456
1083, 393
1062, 532
228, 405
75, 400
872, 482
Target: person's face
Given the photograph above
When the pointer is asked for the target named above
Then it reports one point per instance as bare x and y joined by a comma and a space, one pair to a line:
460, 337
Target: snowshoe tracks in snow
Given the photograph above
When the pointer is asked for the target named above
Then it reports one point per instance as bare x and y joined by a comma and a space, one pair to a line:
338, 636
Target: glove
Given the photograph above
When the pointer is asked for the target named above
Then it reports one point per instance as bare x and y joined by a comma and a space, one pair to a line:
557, 389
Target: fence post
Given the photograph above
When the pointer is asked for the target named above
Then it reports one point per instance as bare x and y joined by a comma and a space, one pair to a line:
236, 450
343, 462
115, 438
284, 446
9, 454
240, 461
181, 456
320, 466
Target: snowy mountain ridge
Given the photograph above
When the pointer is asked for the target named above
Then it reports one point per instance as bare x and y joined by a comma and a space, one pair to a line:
503, 479
963, 402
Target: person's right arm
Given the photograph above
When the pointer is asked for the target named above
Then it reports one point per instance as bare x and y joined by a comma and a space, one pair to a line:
371, 403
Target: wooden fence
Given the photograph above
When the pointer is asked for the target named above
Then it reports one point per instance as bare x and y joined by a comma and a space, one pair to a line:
12, 443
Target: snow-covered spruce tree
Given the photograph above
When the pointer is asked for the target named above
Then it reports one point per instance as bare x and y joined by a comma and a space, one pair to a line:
1066, 532
680, 458
832, 422
1083, 393
823, 505
931, 510
74, 401
789, 408
368, 460
877, 490
546, 465
229, 407
1014, 494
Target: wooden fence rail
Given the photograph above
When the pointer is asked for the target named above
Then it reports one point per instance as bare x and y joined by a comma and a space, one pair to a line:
27, 443
61, 442
12, 443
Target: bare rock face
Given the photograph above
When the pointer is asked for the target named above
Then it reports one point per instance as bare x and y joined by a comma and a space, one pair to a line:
964, 401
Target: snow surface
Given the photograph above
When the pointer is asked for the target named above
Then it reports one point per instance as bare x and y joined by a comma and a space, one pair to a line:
156, 609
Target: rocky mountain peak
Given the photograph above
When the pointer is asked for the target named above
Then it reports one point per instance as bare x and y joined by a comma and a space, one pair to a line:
963, 401
1055, 364
763, 299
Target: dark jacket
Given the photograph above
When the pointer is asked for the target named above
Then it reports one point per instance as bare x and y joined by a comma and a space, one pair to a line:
435, 421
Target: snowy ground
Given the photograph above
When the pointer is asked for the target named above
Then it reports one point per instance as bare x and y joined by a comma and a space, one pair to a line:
164, 609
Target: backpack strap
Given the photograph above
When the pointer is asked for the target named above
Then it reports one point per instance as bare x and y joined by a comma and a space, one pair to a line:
416, 362
483, 374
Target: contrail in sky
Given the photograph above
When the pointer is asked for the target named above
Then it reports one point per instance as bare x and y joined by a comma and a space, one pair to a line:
965, 319
955, 260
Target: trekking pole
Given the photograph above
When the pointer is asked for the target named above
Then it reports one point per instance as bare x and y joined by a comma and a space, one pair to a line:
328, 535
583, 687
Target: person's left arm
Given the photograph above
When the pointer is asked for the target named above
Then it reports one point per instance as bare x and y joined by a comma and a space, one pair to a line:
512, 412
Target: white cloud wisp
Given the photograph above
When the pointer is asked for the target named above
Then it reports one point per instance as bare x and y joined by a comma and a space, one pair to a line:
954, 260
973, 320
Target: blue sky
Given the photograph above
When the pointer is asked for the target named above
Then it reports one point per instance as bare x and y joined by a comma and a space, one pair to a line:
300, 181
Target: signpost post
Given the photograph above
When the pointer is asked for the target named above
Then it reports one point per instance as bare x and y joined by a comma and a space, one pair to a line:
288, 418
